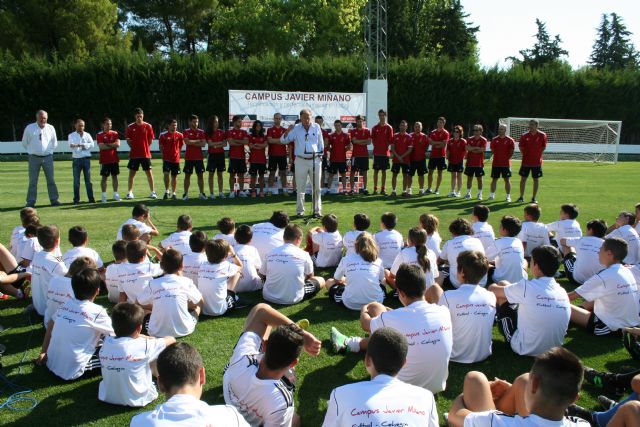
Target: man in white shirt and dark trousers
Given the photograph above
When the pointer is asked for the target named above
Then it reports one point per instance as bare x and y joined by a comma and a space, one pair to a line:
81, 143
40, 140
308, 148
385, 400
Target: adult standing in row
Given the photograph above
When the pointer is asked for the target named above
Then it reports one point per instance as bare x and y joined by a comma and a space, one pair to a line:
308, 147
139, 136
382, 137
40, 140
532, 145
81, 143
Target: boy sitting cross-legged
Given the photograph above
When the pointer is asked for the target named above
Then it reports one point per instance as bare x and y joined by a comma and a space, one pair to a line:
218, 277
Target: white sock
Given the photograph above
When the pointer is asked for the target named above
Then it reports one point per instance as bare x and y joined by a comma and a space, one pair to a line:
468, 191
353, 344
492, 194
104, 194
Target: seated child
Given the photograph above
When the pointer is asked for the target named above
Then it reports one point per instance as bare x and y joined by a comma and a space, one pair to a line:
217, 278
533, 233
79, 238
72, 341
623, 228
430, 223
389, 241
112, 273
361, 222
507, 253
386, 355
359, 278
482, 230
135, 274
539, 398
130, 233
181, 377
45, 265
127, 359
268, 235
326, 242
141, 218
27, 216
179, 239
192, 261
412, 320
472, 309
60, 291
416, 253
227, 227
251, 263
585, 262
174, 300
565, 227
461, 240
611, 296
12, 275
289, 271
533, 315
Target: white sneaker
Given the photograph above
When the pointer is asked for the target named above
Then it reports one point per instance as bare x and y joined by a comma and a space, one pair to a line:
185, 197
212, 196
103, 199
452, 194
457, 194
202, 196
232, 195
409, 192
221, 195
491, 197
130, 195
508, 198
436, 192
422, 192
467, 196
479, 196
116, 197
153, 195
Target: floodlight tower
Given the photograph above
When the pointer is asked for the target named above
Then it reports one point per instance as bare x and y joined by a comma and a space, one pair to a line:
375, 39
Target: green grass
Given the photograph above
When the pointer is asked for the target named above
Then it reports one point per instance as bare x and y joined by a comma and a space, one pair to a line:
599, 191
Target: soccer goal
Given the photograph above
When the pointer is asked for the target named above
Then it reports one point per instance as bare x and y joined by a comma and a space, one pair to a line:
577, 140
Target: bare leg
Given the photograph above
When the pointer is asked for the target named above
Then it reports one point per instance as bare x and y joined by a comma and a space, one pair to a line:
150, 180
272, 178
167, 180
580, 316
523, 186
479, 179
430, 178
103, 184
507, 185
439, 180
232, 181
132, 175
459, 178
627, 416
383, 181
201, 182
535, 187
344, 182
210, 182
187, 182
394, 181
114, 183
374, 309
494, 184
174, 183
220, 181
365, 179
375, 178
421, 182
512, 401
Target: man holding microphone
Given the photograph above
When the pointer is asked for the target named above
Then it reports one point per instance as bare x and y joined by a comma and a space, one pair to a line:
40, 140
308, 148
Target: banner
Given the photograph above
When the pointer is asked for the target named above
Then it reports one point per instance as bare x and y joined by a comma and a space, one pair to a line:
263, 104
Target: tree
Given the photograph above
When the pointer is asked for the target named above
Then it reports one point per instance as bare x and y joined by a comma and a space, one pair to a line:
544, 52
600, 55
612, 48
448, 33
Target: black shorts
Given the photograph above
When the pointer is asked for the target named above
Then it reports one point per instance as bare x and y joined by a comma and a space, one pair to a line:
336, 167
597, 327
419, 166
404, 166
216, 162
172, 167
277, 163
257, 169
439, 163
134, 164
311, 288
325, 164
112, 169
380, 163
476, 171
359, 164
190, 165
500, 172
237, 166
536, 171
507, 320
456, 167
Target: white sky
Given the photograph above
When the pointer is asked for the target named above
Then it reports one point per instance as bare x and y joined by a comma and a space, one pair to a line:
506, 26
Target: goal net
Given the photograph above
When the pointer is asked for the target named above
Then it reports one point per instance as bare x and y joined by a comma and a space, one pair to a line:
577, 140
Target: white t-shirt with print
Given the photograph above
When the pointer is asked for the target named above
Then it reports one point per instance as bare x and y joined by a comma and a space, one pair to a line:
59, 292
499, 419
191, 265
134, 278
508, 255
349, 241
564, 228
44, 266
629, 235
286, 268
587, 256
409, 255
330, 248
363, 280
16, 235
266, 237
142, 227
80, 251
112, 282
533, 234
390, 242
434, 242
483, 231
212, 283
230, 238
452, 248
178, 240
251, 264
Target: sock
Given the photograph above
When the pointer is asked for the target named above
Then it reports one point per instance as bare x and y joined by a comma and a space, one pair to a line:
469, 191
353, 344
492, 194
104, 194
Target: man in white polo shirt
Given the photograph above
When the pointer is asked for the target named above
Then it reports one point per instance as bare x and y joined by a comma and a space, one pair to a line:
426, 326
385, 400
81, 143
268, 235
308, 148
40, 140
289, 271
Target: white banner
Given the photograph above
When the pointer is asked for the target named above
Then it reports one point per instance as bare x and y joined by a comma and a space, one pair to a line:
263, 104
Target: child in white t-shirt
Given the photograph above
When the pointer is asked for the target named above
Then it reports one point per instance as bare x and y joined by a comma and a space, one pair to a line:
192, 261
430, 223
218, 277
533, 233
45, 265
13, 277
141, 218
27, 216
326, 242
112, 272
71, 343
507, 254
135, 274
126, 359
268, 235
173, 299
389, 241
361, 223
533, 315
472, 309
581, 265
179, 239
60, 290
250, 280
359, 278
637, 222
461, 240
29, 246
79, 238
227, 227
181, 377
623, 228
482, 230
130, 233
566, 227
416, 253
611, 296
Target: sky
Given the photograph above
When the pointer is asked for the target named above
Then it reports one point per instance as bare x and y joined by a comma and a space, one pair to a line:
507, 26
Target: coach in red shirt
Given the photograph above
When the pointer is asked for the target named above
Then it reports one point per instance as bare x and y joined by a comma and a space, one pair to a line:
401, 150
171, 143
257, 157
108, 144
195, 139
420, 144
139, 136
360, 140
476, 146
532, 145
502, 147
339, 143
237, 138
456, 152
382, 137
438, 139
216, 140
277, 155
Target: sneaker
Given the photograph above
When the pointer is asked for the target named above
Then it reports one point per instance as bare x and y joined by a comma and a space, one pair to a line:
153, 195
174, 197
393, 194
457, 194
116, 197
508, 198
422, 192
491, 197
129, 195
428, 191
409, 191
365, 192
242, 194
232, 195
452, 194
338, 340
606, 403
202, 196
533, 200
166, 196
578, 411
375, 192
185, 196
479, 196
103, 199
241, 303
383, 193
221, 195
520, 200
304, 324
437, 192
56, 203
603, 380
467, 196
212, 196
406, 194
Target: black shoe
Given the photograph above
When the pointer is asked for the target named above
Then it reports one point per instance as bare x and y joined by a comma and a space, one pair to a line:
533, 200
578, 411
605, 381
30, 205
174, 197
317, 215
242, 303
605, 402
166, 196
75, 202
520, 200
92, 200
55, 203
365, 192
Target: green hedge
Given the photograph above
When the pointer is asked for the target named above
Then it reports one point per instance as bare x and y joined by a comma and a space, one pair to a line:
418, 90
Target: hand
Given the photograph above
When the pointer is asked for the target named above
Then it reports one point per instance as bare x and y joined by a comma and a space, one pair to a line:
290, 128
41, 359
498, 388
311, 344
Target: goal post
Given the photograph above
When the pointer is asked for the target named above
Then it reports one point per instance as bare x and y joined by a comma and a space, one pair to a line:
572, 140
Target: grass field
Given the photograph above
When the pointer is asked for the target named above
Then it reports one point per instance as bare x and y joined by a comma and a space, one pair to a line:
599, 191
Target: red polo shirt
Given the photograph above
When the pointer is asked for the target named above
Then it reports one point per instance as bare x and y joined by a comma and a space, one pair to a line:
532, 146
219, 135
339, 143
192, 152
402, 142
257, 155
438, 135
237, 151
476, 159
111, 155
382, 136
457, 150
276, 150
502, 149
360, 150
140, 137
420, 144
170, 146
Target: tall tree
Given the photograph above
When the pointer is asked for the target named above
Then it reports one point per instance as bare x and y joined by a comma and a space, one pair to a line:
449, 34
600, 55
622, 53
544, 52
